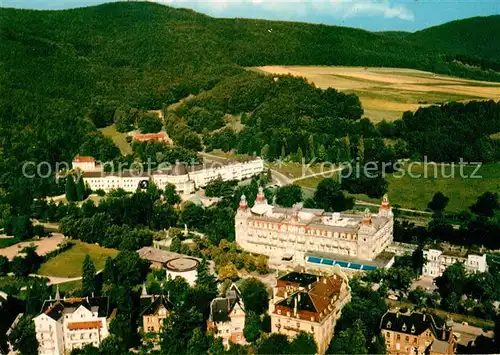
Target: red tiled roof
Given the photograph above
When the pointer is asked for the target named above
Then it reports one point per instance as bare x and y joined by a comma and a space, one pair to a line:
85, 325
83, 159
150, 136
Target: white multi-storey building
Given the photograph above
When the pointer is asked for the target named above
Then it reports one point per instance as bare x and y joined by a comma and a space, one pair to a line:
185, 178
85, 163
70, 323
298, 232
438, 261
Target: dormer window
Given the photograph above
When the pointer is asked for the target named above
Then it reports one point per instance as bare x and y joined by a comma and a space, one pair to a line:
413, 329
404, 327
389, 325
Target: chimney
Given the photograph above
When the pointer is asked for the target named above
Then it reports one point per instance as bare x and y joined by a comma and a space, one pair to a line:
324, 280
424, 317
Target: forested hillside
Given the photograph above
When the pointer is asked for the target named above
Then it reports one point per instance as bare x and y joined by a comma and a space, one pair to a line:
476, 37
147, 54
64, 74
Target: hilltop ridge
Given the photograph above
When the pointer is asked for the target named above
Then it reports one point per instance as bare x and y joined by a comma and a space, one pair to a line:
150, 54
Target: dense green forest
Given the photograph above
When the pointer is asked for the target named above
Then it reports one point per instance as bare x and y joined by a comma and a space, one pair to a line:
66, 73
475, 36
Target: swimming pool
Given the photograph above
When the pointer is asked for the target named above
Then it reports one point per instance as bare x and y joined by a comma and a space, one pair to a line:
343, 264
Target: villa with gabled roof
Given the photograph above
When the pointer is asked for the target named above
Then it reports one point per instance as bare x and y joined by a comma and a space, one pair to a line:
227, 317
416, 333
309, 303
65, 324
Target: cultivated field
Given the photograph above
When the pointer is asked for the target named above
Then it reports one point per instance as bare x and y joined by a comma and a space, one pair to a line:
387, 92
43, 246
70, 262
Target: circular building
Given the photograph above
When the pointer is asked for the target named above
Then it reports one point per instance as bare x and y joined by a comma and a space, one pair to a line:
184, 267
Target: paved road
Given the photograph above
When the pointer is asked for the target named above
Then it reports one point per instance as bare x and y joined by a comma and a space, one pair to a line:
280, 179
54, 280
363, 203
426, 282
468, 329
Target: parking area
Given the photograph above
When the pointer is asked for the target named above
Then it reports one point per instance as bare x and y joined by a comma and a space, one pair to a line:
43, 246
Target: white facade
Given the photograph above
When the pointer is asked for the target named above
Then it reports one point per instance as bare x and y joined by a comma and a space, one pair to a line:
227, 317
85, 163
296, 232
185, 179
68, 324
185, 267
438, 261
113, 182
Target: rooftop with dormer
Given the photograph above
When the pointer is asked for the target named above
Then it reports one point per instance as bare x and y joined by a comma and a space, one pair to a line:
316, 218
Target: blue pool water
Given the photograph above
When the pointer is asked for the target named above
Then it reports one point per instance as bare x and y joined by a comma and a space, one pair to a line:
343, 264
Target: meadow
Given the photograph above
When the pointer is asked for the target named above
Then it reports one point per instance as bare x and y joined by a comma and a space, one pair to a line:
118, 138
386, 93
70, 262
415, 193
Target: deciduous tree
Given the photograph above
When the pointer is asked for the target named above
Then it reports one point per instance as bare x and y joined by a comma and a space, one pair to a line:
254, 295
252, 327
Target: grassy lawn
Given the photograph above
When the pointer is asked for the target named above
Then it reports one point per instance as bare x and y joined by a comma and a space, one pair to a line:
227, 155
7, 242
69, 263
296, 170
118, 138
415, 193
69, 286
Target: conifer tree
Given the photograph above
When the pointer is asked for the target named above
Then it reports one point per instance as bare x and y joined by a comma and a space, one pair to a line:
80, 187
70, 188
300, 155
264, 151
347, 141
311, 148
361, 150
321, 153
109, 271
88, 277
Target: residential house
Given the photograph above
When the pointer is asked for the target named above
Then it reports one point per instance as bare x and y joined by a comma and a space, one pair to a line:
70, 323
154, 310
416, 333
305, 302
227, 317
438, 260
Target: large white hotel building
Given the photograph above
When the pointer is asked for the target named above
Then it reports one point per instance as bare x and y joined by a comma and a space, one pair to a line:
185, 178
313, 235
